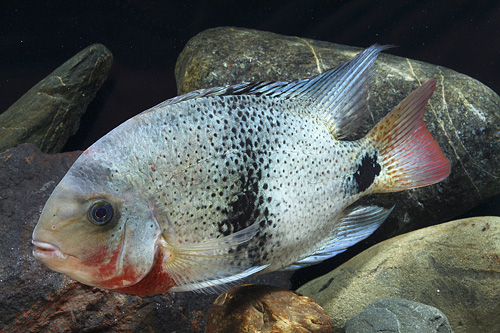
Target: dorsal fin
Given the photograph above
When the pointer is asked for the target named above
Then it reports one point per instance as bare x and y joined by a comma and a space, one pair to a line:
337, 95
340, 94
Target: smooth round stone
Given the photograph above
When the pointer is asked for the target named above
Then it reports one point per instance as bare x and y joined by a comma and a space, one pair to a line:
454, 266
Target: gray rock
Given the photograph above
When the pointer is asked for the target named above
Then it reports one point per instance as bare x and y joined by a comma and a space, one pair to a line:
453, 266
35, 299
398, 315
49, 113
462, 115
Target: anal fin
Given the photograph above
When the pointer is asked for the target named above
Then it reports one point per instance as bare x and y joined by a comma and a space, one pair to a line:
355, 225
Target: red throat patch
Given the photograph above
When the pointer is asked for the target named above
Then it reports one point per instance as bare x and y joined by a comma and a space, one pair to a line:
157, 281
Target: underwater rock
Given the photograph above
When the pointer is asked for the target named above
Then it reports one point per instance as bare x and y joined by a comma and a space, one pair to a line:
33, 298
398, 315
49, 113
258, 308
454, 266
462, 114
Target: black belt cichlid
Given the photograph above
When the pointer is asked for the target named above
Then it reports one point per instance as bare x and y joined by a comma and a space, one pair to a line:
218, 184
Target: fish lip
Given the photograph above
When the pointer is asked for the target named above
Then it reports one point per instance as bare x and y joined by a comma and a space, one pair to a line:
45, 251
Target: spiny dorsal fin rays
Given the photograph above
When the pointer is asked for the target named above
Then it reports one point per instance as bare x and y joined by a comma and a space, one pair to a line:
246, 88
209, 264
338, 96
268, 88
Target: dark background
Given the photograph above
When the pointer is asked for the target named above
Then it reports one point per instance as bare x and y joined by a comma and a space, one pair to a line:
147, 36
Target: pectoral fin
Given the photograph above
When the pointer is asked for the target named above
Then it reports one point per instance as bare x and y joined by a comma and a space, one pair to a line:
207, 266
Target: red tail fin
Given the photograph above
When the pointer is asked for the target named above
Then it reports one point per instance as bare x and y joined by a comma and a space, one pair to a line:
410, 157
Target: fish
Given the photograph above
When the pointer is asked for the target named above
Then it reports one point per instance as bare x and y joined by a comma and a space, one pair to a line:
221, 183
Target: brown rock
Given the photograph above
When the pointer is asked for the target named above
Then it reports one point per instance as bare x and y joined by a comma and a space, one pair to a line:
258, 308
35, 299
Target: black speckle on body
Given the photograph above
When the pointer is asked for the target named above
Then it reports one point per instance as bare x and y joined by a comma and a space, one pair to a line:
367, 171
245, 210
253, 162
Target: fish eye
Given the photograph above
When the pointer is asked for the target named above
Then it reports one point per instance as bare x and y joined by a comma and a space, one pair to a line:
100, 213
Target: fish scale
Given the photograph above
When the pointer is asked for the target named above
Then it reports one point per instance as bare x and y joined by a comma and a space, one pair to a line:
281, 186
222, 183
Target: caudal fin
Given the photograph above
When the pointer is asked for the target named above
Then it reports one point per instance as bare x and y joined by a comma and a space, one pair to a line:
410, 157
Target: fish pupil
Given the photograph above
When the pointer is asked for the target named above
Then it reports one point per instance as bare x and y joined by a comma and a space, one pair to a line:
100, 213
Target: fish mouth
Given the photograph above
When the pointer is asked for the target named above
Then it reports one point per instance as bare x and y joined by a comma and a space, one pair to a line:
46, 251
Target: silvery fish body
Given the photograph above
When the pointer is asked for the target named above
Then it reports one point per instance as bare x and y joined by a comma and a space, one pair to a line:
222, 183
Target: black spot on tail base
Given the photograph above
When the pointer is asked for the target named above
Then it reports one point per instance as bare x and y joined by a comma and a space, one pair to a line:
367, 171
